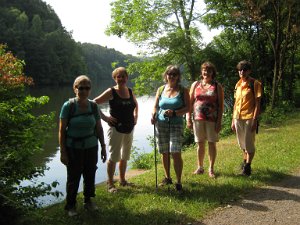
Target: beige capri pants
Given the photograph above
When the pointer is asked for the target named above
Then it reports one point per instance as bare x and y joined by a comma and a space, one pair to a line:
119, 144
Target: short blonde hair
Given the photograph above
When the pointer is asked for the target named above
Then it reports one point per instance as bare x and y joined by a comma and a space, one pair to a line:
81, 79
119, 70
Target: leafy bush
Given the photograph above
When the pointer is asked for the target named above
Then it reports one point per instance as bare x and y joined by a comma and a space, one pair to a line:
141, 160
22, 136
278, 114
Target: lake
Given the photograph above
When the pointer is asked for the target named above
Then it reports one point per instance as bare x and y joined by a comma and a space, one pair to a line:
51, 157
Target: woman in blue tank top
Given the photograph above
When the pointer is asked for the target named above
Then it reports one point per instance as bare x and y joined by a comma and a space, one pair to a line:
171, 103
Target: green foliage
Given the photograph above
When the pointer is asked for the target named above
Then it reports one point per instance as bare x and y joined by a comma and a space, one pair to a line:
170, 30
226, 124
22, 136
141, 160
34, 33
279, 114
100, 61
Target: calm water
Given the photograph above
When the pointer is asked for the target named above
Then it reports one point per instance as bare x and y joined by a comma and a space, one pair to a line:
50, 156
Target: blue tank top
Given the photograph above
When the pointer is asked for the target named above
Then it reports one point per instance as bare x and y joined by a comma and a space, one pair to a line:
173, 103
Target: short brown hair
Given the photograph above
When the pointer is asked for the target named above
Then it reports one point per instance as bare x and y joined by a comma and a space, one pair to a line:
209, 66
243, 65
80, 79
172, 69
119, 70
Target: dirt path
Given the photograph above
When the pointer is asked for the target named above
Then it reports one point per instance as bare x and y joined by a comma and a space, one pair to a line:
276, 204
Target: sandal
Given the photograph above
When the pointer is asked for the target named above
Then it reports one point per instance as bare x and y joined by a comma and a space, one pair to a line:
211, 174
200, 170
166, 181
125, 183
112, 188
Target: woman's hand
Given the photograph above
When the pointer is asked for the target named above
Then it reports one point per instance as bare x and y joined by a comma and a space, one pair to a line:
233, 126
218, 127
189, 124
103, 153
64, 157
153, 118
254, 125
111, 120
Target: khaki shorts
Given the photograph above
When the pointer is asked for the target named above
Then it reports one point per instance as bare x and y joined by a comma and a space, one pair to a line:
119, 144
205, 130
245, 136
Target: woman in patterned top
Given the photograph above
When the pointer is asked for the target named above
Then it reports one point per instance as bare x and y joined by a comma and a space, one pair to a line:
207, 103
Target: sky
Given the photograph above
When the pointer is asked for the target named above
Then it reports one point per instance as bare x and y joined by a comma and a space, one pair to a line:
88, 19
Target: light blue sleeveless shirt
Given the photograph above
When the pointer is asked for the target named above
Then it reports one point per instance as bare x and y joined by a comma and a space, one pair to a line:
172, 103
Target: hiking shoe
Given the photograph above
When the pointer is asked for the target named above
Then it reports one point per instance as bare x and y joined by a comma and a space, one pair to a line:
247, 170
72, 212
199, 170
243, 165
166, 181
211, 174
90, 206
178, 187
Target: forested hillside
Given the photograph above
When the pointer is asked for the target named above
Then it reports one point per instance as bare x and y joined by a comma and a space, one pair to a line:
34, 33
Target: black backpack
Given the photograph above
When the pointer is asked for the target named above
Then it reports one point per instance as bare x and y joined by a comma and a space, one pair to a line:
262, 99
263, 103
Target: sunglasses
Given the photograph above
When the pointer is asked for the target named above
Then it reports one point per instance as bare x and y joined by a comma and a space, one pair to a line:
244, 69
87, 88
172, 74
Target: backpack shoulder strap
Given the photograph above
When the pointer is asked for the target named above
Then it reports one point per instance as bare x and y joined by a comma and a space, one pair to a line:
161, 89
94, 107
71, 109
195, 86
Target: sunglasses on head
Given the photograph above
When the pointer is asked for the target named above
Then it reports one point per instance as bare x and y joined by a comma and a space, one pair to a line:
87, 88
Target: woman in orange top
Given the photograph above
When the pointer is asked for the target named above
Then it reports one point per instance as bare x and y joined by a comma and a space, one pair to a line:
245, 112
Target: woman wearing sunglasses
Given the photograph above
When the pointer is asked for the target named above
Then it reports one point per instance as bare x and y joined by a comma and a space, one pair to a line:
79, 131
171, 103
245, 113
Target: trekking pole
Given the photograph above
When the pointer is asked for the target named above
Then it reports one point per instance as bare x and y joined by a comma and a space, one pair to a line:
155, 160
169, 150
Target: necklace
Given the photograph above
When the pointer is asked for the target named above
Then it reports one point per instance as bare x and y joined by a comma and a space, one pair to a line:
205, 85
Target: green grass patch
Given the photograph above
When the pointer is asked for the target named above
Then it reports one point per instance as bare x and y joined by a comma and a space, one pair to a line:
277, 156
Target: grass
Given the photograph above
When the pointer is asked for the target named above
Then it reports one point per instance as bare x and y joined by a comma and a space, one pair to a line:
277, 156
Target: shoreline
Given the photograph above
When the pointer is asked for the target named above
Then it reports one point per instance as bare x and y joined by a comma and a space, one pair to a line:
129, 174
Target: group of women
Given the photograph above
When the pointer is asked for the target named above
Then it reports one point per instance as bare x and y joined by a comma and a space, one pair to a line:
80, 126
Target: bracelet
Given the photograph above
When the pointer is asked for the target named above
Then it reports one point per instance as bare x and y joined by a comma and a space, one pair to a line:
174, 113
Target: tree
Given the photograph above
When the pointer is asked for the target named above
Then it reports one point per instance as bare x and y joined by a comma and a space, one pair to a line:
169, 28
22, 136
276, 21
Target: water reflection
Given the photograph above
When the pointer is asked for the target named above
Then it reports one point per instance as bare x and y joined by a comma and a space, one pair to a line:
51, 157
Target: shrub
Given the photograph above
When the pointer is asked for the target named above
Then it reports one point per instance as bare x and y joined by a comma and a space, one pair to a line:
22, 136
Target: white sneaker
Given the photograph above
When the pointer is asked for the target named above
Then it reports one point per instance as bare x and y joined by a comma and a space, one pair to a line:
90, 206
72, 212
